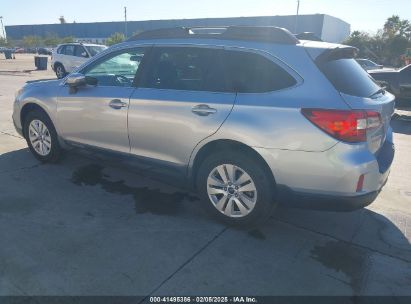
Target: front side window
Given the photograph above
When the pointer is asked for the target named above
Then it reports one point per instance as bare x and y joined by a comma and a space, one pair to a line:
185, 68
61, 49
253, 73
117, 70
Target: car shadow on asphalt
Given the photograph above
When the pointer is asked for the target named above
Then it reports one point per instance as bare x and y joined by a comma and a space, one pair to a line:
349, 241
365, 227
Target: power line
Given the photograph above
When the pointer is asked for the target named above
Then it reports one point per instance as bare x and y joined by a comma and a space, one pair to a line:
125, 21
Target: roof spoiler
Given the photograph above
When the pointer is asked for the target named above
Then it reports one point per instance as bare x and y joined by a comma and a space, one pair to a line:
308, 36
269, 34
343, 52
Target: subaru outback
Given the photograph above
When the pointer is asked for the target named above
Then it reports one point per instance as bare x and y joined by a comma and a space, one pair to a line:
249, 115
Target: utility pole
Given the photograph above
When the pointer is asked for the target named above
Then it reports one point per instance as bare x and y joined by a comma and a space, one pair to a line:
296, 17
125, 22
2, 27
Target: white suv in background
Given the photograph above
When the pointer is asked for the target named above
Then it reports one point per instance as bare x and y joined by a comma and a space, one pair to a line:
67, 57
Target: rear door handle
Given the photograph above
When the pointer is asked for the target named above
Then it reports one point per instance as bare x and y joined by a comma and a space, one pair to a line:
203, 110
117, 104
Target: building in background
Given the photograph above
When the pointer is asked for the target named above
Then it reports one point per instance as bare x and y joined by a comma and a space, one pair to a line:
328, 28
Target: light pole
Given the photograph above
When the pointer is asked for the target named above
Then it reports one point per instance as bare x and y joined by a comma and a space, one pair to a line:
2, 27
125, 22
296, 17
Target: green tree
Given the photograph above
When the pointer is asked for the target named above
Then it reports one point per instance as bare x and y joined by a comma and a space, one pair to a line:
395, 26
387, 45
32, 41
6, 42
115, 38
52, 39
68, 39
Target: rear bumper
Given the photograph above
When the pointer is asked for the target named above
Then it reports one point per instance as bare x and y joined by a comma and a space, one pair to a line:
290, 198
328, 180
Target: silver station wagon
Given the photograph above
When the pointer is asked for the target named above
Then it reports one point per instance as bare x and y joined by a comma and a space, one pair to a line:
250, 116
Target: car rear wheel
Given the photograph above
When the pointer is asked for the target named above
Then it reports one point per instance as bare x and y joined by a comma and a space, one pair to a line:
236, 189
60, 71
41, 137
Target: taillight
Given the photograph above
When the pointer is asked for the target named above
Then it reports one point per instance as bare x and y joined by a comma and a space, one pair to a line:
348, 126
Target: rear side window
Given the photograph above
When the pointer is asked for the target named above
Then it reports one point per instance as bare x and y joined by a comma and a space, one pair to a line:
253, 73
349, 77
185, 68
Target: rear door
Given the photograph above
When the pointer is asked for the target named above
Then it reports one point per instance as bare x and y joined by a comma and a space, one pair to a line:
361, 92
180, 101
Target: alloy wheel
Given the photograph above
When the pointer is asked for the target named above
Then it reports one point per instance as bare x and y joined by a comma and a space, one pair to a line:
231, 190
40, 138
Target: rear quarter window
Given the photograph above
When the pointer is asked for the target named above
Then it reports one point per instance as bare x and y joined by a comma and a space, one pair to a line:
349, 77
253, 73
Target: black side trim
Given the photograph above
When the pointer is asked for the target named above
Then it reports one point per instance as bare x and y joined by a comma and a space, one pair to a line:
385, 156
290, 198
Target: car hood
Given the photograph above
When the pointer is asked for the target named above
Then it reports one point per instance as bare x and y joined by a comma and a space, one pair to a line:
43, 82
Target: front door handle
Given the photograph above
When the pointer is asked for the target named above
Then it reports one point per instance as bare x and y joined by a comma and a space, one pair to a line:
203, 110
117, 104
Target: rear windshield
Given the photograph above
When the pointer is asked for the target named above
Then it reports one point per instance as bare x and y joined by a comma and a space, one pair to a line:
349, 77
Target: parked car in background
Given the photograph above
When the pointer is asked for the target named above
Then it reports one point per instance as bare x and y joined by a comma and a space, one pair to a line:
243, 116
397, 82
31, 50
67, 57
19, 51
369, 65
44, 51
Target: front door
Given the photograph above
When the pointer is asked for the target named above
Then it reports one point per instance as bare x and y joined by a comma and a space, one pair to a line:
180, 101
96, 115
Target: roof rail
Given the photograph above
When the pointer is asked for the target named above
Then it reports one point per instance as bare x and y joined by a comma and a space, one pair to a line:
249, 33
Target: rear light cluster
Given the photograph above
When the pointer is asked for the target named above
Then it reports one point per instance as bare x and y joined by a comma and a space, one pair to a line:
349, 126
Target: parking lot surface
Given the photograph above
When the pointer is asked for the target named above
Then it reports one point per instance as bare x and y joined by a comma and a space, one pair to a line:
87, 226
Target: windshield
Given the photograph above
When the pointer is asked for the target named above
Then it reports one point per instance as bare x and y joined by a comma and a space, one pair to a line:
95, 49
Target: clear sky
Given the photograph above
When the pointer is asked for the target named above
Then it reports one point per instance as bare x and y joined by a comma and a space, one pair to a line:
368, 15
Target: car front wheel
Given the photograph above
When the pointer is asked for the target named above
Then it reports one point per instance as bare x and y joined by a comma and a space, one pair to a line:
236, 188
41, 137
60, 71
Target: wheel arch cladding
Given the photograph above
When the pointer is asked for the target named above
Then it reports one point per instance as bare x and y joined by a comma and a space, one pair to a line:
226, 145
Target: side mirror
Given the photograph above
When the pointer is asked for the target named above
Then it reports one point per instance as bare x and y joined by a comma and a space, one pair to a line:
76, 80
84, 54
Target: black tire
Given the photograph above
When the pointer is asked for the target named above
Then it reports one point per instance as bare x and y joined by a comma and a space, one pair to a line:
264, 184
60, 71
56, 150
